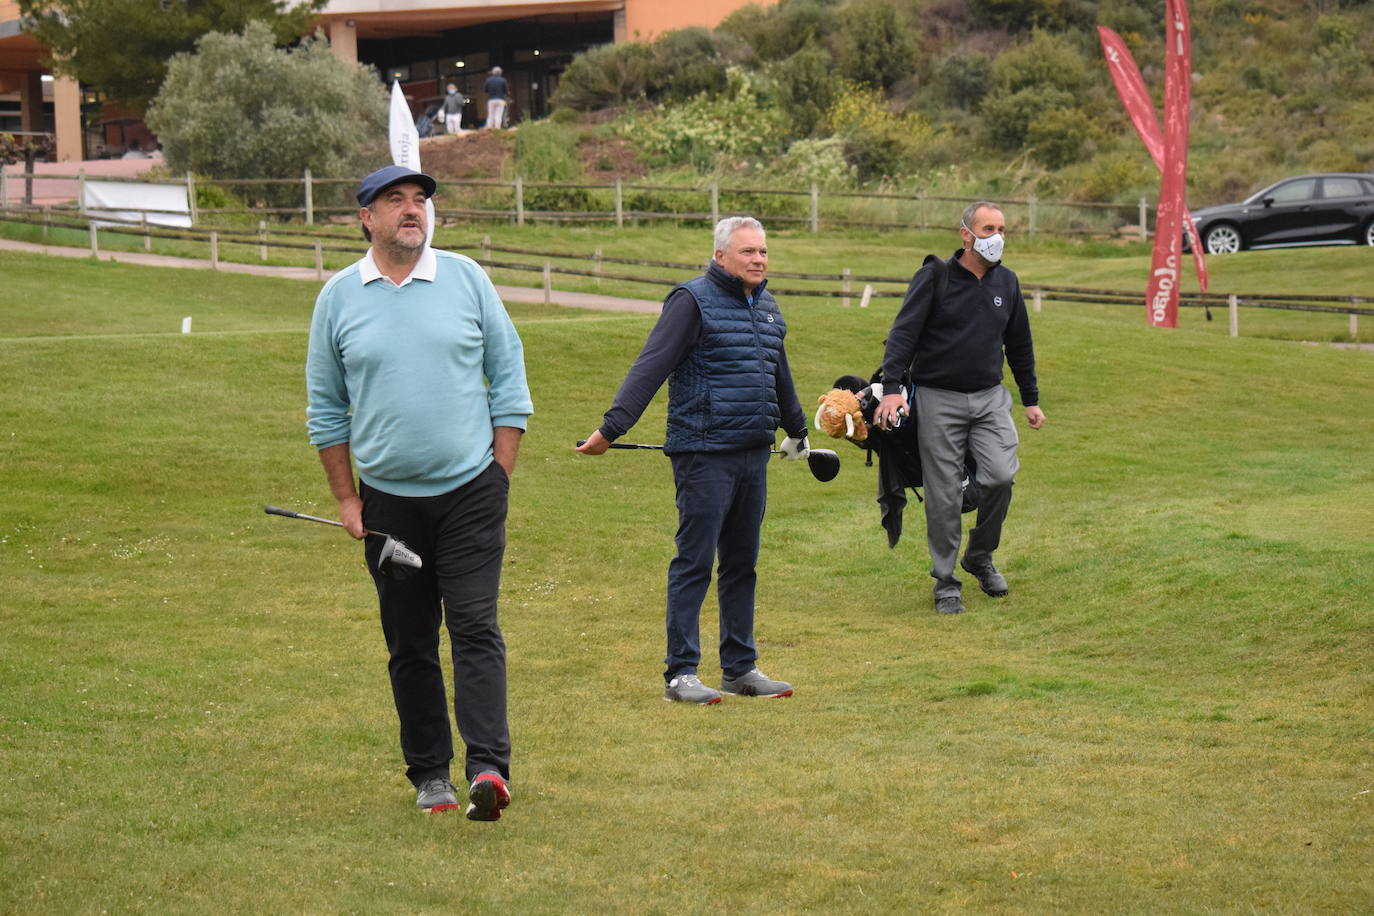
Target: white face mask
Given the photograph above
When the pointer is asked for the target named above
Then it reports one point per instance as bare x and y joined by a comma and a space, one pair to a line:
990, 248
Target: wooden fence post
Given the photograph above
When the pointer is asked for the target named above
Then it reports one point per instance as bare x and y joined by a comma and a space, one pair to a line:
596, 266
191, 198
1233, 307
1031, 227
1035, 298
214, 250
95, 244
319, 260
619, 205
262, 240
486, 254
147, 236
548, 283
81, 191
922, 198
815, 208
1144, 225
844, 287
1354, 322
309, 199
868, 294
519, 201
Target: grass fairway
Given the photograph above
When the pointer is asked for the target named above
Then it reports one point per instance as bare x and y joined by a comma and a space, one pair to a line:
1170, 713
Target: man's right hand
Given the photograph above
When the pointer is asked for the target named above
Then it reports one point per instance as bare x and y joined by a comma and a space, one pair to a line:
891, 409
351, 515
596, 444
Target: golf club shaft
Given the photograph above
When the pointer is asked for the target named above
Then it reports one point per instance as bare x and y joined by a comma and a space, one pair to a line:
652, 448
287, 513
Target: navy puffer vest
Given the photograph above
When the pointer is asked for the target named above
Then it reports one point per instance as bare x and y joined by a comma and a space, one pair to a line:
723, 396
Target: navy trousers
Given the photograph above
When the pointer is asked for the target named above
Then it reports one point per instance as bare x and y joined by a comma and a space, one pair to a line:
721, 498
461, 539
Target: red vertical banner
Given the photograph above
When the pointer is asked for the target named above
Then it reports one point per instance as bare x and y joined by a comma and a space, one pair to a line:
1161, 293
1130, 86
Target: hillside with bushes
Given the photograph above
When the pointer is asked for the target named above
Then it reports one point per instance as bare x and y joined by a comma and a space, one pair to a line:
1006, 97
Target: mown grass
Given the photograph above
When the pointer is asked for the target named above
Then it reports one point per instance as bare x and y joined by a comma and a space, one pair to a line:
1170, 713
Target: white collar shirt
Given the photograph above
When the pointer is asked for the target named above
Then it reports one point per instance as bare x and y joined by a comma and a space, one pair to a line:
424, 269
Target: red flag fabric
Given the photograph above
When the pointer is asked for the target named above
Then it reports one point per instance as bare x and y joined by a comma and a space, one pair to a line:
1130, 86
1161, 293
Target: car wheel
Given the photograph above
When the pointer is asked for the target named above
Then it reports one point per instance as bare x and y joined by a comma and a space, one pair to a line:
1222, 238
1368, 236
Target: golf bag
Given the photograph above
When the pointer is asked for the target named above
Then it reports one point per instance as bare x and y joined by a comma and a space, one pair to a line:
899, 457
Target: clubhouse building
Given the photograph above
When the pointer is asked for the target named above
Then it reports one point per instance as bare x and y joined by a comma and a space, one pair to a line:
423, 43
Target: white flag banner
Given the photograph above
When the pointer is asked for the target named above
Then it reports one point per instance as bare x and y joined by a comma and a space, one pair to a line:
405, 145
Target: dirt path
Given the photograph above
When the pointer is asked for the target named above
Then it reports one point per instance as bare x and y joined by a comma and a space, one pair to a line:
507, 293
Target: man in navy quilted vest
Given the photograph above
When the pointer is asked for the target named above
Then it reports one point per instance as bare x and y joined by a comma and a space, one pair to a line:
719, 344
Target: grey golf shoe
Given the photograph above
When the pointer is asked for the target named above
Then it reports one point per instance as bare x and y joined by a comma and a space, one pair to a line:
688, 688
989, 579
949, 604
435, 795
754, 683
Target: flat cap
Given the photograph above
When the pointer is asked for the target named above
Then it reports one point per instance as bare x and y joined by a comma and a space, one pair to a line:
380, 180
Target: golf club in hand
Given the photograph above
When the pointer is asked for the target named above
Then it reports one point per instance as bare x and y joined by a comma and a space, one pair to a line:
823, 462
397, 560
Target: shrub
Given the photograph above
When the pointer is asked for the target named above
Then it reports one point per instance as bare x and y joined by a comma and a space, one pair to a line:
547, 151
739, 125
822, 161
687, 62
875, 45
1116, 177
1045, 60
606, 77
778, 32
806, 88
241, 108
962, 77
1007, 115
1061, 136
878, 143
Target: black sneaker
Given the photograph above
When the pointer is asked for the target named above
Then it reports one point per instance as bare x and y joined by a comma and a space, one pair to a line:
989, 579
487, 795
435, 795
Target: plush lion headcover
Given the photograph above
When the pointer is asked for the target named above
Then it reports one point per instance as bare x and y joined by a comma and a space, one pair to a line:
839, 416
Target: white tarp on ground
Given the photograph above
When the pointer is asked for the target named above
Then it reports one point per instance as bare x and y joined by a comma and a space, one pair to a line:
161, 204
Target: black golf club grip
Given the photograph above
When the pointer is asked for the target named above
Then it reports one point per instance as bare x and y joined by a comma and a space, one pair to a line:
275, 510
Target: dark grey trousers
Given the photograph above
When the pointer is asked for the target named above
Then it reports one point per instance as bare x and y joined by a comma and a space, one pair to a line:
461, 539
948, 422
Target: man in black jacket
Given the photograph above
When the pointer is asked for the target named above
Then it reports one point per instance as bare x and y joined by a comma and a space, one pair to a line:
953, 346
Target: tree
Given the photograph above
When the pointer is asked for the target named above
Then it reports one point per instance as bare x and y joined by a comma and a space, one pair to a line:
875, 44
242, 108
122, 47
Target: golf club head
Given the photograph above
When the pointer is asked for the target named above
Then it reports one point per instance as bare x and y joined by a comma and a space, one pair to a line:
397, 560
824, 464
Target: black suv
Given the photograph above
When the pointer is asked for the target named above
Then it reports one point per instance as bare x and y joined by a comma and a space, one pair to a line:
1332, 209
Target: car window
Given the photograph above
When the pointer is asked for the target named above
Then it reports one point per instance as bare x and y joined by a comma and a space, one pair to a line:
1303, 189
1341, 187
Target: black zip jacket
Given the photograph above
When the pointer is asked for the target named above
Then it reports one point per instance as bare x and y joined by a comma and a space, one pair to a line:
958, 344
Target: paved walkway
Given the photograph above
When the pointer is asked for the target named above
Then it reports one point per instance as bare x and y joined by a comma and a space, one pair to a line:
508, 293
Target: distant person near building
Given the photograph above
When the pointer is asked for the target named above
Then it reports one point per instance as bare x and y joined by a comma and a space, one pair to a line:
497, 91
135, 150
453, 109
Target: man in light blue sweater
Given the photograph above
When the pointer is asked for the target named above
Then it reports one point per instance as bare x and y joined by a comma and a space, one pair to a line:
416, 374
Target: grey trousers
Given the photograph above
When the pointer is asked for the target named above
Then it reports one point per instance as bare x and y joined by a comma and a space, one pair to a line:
948, 422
